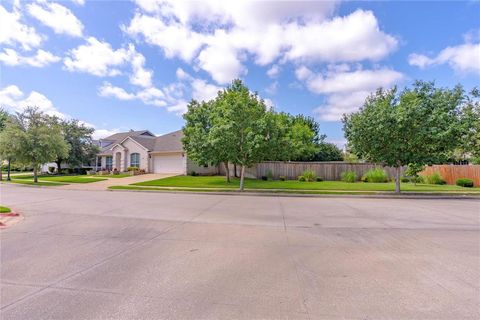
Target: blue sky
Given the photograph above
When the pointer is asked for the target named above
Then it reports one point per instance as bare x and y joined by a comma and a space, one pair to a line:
119, 65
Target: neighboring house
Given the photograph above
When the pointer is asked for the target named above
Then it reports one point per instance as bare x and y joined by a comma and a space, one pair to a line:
144, 150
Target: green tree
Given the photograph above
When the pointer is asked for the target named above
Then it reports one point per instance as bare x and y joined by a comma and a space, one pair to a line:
242, 121
4, 118
470, 139
420, 125
82, 150
199, 142
328, 152
33, 138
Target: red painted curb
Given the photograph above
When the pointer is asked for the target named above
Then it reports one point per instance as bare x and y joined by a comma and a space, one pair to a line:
9, 214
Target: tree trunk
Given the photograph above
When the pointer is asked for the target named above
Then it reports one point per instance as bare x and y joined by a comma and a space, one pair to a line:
35, 173
1, 168
9, 169
59, 166
242, 177
235, 170
397, 179
227, 171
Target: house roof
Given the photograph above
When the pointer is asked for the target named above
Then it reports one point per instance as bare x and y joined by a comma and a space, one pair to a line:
170, 142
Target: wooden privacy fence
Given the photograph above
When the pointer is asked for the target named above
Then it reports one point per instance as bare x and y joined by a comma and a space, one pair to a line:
325, 170
450, 173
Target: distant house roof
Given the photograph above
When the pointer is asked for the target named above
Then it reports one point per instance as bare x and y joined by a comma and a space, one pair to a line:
170, 142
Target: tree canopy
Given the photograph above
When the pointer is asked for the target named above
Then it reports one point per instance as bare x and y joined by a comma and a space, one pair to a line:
33, 138
78, 136
420, 125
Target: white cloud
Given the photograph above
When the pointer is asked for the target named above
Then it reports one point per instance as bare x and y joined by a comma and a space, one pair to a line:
97, 58
345, 89
12, 31
79, 2
57, 17
218, 36
272, 88
462, 58
140, 76
13, 99
351, 81
273, 71
103, 133
203, 91
41, 59
107, 90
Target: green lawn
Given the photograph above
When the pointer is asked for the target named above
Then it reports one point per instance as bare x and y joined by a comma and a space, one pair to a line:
218, 182
65, 179
4, 209
120, 175
39, 183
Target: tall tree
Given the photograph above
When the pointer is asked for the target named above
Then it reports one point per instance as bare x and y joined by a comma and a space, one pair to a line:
470, 139
420, 125
4, 117
81, 147
200, 144
33, 138
241, 120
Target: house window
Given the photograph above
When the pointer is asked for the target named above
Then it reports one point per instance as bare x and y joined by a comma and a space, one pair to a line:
135, 160
109, 163
99, 162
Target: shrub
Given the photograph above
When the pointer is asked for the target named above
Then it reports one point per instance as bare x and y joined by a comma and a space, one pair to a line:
434, 178
464, 182
132, 169
193, 174
404, 179
318, 179
301, 178
269, 175
419, 179
282, 178
309, 175
375, 175
264, 178
51, 169
348, 176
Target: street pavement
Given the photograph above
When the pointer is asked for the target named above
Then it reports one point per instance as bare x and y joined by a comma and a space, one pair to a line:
131, 255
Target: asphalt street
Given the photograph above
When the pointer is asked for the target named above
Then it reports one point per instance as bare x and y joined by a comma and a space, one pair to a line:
131, 255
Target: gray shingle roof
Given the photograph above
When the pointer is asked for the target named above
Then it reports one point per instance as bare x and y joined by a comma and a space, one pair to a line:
166, 143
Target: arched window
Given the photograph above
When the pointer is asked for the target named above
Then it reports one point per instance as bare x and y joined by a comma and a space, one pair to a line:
135, 160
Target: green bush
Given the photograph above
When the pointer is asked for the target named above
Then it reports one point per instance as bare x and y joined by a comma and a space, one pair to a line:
404, 179
264, 178
318, 179
51, 169
434, 178
282, 178
132, 169
375, 175
309, 175
301, 178
419, 179
348, 176
464, 182
193, 173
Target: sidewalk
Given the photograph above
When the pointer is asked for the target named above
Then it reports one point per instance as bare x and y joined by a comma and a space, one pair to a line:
103, 185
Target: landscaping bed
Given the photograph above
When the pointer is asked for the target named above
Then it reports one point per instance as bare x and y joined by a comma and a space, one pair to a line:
219, 183
63, 179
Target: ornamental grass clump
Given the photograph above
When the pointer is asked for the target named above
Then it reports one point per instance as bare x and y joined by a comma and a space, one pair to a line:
348, 176
375, 175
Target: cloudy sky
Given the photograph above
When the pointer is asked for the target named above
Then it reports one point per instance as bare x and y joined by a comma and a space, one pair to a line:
120, 65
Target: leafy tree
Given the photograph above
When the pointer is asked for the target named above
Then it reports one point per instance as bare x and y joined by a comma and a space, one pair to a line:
4, 117
420, 125
290, 138
199, 142
79, 138
413, 169
328, 152
242, 121
33, 138
470, 139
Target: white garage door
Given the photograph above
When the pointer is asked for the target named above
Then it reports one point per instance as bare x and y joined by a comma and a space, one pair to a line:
172, 163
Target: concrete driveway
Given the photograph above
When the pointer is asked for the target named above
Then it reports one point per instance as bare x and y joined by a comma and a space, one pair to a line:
103, 185
130, 255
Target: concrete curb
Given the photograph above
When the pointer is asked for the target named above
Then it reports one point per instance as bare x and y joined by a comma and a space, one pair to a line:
8, 219
300, 195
